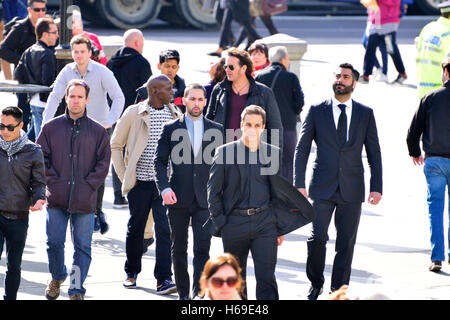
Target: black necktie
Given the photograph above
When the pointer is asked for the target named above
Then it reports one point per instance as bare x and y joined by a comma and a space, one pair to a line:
342, 126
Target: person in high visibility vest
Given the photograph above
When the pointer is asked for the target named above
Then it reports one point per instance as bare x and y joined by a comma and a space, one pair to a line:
433, 48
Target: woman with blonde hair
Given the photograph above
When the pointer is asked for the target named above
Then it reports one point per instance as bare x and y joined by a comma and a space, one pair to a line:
221, 279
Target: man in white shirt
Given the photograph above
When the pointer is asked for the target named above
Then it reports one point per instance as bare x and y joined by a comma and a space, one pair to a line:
340, 127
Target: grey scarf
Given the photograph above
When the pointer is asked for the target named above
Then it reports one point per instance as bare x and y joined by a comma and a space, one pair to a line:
12, 147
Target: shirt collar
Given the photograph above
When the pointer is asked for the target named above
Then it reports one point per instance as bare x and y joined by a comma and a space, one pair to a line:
336, 102
73, 66
189, 118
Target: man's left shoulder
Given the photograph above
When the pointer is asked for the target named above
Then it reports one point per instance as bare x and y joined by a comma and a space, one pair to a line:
362, 107
213, 124
96, 126
269, 147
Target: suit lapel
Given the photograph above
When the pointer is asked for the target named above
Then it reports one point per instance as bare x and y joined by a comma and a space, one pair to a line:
241, 164
354, 121
328, 110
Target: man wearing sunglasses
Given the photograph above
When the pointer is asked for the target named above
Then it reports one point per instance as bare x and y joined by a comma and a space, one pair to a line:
20, 38
23, 189
239, 90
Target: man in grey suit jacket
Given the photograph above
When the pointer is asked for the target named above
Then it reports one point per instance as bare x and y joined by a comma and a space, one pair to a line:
340, 127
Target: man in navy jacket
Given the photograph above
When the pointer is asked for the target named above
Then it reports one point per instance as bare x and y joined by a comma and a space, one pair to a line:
185, 143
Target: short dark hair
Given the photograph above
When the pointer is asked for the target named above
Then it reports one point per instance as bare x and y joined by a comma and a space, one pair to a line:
261, 47
446, 66
169, 55
31, 2
13, 111
80, 39
254, 109
194, 86
355, 72
80, 83
43, 25
244, 59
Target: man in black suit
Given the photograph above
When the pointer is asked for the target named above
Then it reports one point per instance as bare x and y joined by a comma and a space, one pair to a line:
185, 143
251, 206
340, 127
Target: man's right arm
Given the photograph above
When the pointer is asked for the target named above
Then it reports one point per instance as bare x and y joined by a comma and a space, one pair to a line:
10, 44
119, 140
57, 94
43, 140
303, 150
416, 129
215, 189
211, 111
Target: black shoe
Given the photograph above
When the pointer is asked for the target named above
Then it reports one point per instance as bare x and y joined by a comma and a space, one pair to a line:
314, 293
214, 54
104, 227
184, 298
435, 266
120, 203
147, 243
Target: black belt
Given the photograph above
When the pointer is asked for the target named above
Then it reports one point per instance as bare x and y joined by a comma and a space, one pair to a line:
251, 211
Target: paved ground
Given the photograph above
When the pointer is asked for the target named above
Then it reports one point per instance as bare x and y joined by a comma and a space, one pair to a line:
392, 251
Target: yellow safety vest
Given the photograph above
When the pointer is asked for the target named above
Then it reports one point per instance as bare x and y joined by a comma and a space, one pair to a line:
433, 49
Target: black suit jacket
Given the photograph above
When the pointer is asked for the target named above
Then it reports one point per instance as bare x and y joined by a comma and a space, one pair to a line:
226, 183
189, 175
335, 166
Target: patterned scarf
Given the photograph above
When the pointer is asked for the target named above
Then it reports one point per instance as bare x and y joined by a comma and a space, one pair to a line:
12, 147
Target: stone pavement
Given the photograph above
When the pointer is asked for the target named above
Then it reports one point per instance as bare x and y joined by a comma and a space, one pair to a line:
392, 253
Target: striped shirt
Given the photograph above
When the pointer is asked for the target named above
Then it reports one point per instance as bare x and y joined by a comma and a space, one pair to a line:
145, 168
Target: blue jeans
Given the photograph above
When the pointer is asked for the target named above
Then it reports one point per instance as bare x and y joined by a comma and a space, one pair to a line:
36, 119
15, 234
437, 173
82, 227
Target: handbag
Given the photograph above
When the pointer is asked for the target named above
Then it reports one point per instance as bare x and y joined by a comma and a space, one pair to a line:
272, 7
256, 8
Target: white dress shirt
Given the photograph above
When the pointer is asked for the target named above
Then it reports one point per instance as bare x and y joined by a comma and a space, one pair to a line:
337, 111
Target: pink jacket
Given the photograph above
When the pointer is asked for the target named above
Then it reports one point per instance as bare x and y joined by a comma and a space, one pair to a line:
389, 12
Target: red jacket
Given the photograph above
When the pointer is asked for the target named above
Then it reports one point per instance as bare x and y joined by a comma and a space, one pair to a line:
77, 156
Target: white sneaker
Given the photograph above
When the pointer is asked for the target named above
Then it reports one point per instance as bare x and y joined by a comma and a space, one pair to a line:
382, 78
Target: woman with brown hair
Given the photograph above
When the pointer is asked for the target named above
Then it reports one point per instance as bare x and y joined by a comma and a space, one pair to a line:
221, 279
217, 74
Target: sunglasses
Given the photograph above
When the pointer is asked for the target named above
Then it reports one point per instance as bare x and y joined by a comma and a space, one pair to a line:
39, 9
218, 282
10, 128
230, 66
52, 32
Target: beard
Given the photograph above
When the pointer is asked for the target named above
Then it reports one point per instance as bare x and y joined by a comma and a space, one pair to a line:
192, 113
344, 90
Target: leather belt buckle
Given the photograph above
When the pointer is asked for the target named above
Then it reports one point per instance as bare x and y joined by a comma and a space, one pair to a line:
251, 212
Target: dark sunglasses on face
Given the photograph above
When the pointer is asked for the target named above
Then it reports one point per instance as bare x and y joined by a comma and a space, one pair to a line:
231, 67
219, 282
10, 127
39, 9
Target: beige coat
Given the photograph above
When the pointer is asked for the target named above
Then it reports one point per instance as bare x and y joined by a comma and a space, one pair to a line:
132, 130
